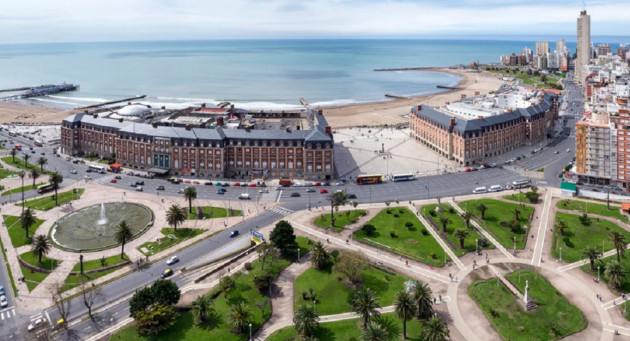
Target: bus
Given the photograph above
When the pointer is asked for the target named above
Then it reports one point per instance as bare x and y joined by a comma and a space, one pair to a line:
97, 168
521, 183
369, 179
17, 146
47, 187
38, 143
403, 177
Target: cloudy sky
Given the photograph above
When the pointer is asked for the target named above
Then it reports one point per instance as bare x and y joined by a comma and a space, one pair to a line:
117, 20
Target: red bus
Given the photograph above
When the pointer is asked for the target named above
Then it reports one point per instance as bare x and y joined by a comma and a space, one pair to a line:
18, 146
369, 179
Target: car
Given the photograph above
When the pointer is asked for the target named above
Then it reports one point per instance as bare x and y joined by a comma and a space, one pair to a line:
220, 191
35, 324
225, 184
323, 191
113, 181
172, 260
159, 188
139, 183
556, 152
492, 165
495, 188
339, 183
88, 170
195, 182
132, 184
218, 183
87, 177
32, 152
43, 153
244, 184
480, 190
244, 196
252, 185
139, 189
568, 150
317, 184
518, 158
297, 184
509, 186
181, 191
3, 301
352, 196
118, 177
295, 194
208, 183
234, 233
75, 161
236, 184
74, 171
326, 184
310, 190
2, 290
468, 170
166, 273
263, 191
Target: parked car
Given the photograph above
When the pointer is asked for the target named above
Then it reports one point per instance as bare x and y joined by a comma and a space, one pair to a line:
118, 177
234, 233
252, 185
167, 273
295, 194
221, 191
2, 290
264, 190
113, 181
310, 190
88, 170
323, 191
160, 188
139, 183
33, 325
208, 183
74, 171
139, 189
218, 184
352, 196
225, 184
172, 260
236, 184
317, 184
468, 170
3, 301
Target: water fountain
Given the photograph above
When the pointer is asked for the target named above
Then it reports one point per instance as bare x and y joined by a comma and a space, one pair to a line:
103, 219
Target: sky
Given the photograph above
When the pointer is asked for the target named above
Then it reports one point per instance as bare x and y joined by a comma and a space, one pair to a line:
129, 20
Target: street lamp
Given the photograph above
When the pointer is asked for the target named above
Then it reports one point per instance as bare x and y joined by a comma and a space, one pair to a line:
315, 306
250, 332
298, 259
598, 274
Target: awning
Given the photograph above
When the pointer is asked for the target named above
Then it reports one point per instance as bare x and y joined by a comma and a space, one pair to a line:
158, 171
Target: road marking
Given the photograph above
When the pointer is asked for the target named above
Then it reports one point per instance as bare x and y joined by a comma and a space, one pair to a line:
279, 195
36, 316
281, 211
13, 310
88, 327
541, 240
2, 315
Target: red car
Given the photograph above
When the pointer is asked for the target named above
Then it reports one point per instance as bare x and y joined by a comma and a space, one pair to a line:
236, 184
468, 170
43, 153
113, 181
317, 184
252, 185
323, 191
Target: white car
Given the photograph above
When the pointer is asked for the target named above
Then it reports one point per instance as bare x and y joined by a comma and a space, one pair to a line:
172, 260
35, 324
74, 171
495, 188
139, 188
480, 190
87, 177
263, 191
3, 301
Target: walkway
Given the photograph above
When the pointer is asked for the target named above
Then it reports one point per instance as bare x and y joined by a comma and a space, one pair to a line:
545, 217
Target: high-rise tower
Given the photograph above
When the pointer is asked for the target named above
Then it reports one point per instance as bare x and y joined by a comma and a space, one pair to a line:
583, 45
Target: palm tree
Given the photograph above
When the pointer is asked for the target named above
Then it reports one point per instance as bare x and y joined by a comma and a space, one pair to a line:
482, 208
56, 179
306, 320
123, 234
27, 219
444, 221
517, 212
405, 308
41, 246
461, 234
34, 175
41, 162
435, 330
615, 274
619, 241
374, 332
175, 216
422, 297
365, 304
592, 253
240, 316
25, 157
21, 174
337, 199
190, 193
202, 308
13, 153
467, 215
319, 256
560, 225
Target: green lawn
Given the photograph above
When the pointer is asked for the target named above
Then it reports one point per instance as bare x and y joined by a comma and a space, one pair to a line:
349, 330
5, 173
456, 222
592, 208
342, 219
19, 189
210, 212
17, 233
577, 236
19, 163
528, 79
47, 203
172, 238
498, 215
33, 278
334, 296
303, 244
554, 319
74, 281
406, 242
519, 197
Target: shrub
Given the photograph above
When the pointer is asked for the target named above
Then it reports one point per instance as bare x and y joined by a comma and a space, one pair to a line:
334, 254
396, 215
424, 232
584, 219
369, 229
483, 242
432, 213
432, 254
408, 225
451, 210
248, 266
392, 234
263, 282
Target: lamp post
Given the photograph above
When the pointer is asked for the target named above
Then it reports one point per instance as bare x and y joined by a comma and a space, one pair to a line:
298, 259
598, 274
250, 332
315, 306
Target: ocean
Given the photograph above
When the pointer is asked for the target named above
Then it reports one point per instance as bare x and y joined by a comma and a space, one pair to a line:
253, 74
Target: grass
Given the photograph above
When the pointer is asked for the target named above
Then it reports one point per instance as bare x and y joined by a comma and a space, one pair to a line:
541, 170
172, 238
9, 272
210, 212
350, 330
47, 203
554, 319
528, 79
498, 214
333, 296
592, 208
33, 278
406, 242
577, 236
456, 222
74, 281
342, 219
19, 163
17, 233
5, 173
19, 189
304, 244
520, 197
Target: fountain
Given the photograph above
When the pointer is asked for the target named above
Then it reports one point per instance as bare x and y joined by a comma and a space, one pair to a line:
103, 219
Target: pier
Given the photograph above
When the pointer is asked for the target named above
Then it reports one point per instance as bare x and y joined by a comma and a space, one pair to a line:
305, 103
448, 87
112, 102
36, 91
396, 96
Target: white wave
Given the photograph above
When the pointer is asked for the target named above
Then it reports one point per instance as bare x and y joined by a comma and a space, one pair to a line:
333, 103
53, 101
266, 106
188, 99
169, 105
80, 99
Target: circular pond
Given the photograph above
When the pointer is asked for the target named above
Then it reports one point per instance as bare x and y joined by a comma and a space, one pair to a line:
94, 227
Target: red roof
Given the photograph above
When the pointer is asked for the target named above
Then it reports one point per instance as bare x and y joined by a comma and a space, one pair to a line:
625, 207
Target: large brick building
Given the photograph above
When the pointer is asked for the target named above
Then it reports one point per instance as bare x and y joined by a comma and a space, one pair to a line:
210, 153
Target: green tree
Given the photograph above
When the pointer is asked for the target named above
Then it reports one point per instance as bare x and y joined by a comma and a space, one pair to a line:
444, 221
27, 219
365, 304
155, 319
25, 157
352, 264
517, 212
56, 179
175, 216
422, 297
306, 320
202, 308
336, 199
560, 226
41, 246
240, 317
405, 308
532, 197
226, 284
13, 153
190, 193
369, 229
21, 175
619, 241
374, 331
165, 292
593, 254
435, 330
140, 301
263, 282
122, 235
266, 251
41, 162
283, 238
319, 256
615, 273
482, 209
461, 234
34, 175
467, 215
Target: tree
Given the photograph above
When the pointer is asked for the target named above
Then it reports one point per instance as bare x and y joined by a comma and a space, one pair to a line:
25, 157
319, 256
306, 320
517, 212
13, 153
369, 229
226, 284
190, 193
560, 226
336, 199
532, 197
592, 253
263, 282
352, 264
374, 332
461, 234
62, 304
122, 235
467, 215
165, 292
27, 219
265, 251
355, 204
619, 241
41, 246
444, 221
422, 297
534, 189
56, 179
405, 308
435, 330
482, 208
615, 273
34, 175
175, 216
158, 317
81, 263
239, 317
41, 162
202, 308
140, 301
22, 174
283, 238
90, 293
365, 304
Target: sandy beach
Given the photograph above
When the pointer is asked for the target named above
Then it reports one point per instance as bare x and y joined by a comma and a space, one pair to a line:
374, 113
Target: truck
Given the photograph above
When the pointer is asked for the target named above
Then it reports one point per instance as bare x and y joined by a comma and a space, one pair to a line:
285, 182
244, 196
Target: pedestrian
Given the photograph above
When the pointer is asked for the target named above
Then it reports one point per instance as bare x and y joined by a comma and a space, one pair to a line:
450, 276
407, 263
456, 279
431, 267
434, 300
440, 296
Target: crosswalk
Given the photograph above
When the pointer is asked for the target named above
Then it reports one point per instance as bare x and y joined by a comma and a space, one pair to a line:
7, 314
281, 211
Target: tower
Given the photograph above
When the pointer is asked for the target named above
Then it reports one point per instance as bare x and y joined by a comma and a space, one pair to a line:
583, 45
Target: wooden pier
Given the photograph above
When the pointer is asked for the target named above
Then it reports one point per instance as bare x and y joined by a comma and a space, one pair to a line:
36, 91
396, 96
448, 87
112, 102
